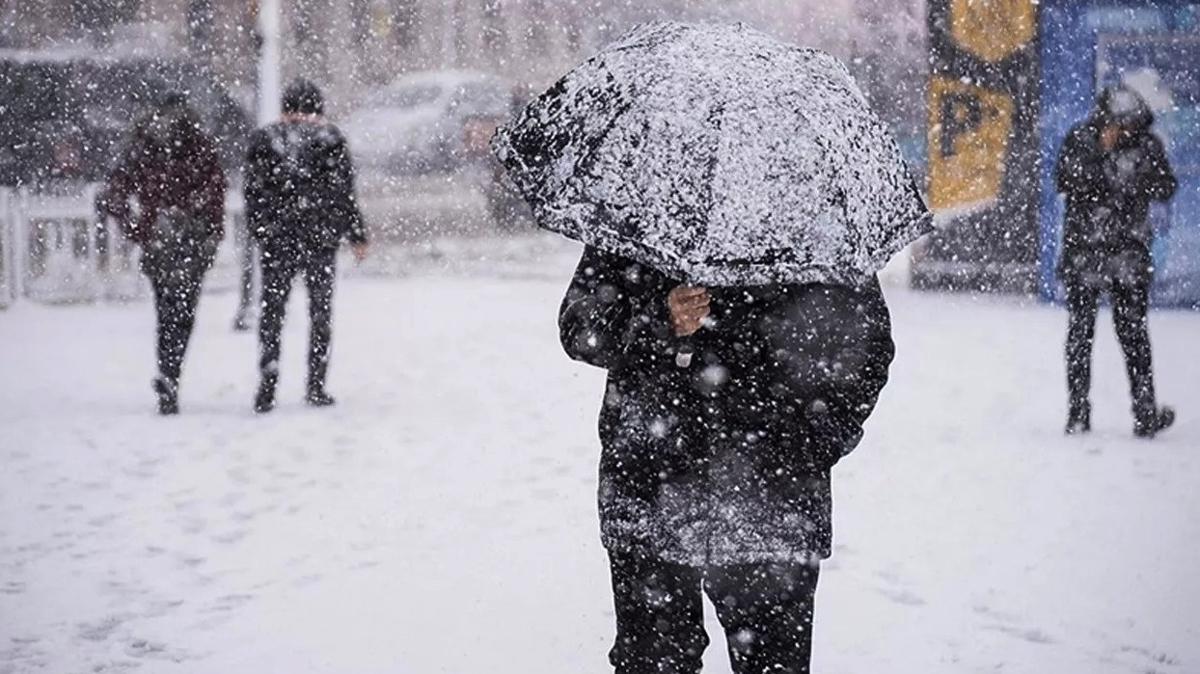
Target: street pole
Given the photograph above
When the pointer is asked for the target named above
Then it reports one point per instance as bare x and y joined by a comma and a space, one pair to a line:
269, 87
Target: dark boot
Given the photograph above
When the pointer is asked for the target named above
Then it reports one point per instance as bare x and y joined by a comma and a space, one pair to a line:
318, 397
241, 321
1151, 424
1079, 419
264, 400
167, 391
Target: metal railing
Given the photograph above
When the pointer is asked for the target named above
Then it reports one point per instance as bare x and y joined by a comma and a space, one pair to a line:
54, 249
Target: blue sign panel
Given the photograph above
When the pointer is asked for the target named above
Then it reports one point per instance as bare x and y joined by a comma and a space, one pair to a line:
1164, 68
1152, 47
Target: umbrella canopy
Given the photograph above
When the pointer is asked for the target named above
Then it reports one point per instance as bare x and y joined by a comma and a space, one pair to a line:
718, 156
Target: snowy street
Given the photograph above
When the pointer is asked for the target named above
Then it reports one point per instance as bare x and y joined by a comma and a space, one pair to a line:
441, 517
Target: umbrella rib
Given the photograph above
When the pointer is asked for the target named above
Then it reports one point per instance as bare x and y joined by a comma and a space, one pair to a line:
717, 117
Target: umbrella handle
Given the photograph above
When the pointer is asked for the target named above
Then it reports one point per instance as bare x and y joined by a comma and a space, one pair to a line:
684, 353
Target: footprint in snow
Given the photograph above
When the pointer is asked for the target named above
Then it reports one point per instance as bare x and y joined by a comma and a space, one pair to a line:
545, 494
116, 666
229, 602
1034, 635
102, 629
990, 612
160, 607
901, 596
306, 581
193, 525
191, 561
230, 499
243, 515
22, 657
231, 537
1157, 658
140, 648
102, 520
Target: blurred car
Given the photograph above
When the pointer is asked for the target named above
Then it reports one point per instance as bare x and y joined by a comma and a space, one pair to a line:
506, 207
64, 115
427, 122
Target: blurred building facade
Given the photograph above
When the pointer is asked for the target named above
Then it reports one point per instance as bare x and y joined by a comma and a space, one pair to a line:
351, 46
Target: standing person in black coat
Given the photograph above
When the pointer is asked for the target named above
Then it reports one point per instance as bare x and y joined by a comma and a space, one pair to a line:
171, 167
300, 204
1110, 168
715, 469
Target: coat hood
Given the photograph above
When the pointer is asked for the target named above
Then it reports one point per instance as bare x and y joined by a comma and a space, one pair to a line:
1125, 107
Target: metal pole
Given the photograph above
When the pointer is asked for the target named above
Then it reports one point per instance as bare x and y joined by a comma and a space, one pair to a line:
93, 276
6, 256
269, 87
20, 227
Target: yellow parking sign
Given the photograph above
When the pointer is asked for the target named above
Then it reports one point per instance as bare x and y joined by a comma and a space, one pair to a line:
993, 29
968, 143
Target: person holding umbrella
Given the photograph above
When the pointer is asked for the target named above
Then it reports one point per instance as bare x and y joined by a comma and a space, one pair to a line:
735, 197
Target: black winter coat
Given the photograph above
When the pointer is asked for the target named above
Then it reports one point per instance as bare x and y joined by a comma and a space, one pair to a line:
727, 460
1106, 233
171, 167
300, 188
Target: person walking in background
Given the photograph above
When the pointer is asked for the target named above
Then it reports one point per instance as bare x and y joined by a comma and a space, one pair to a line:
171, 167
1109, 169
300, 204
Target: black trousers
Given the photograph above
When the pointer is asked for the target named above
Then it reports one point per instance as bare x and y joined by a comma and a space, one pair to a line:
1130, 305
176, 296
279, 268
766, 611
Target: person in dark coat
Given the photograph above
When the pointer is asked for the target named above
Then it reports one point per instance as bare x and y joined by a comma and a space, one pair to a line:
724, 412
1109, 169
171, 167
300, 205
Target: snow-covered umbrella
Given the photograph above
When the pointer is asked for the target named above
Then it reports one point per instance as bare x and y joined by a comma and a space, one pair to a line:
719, 156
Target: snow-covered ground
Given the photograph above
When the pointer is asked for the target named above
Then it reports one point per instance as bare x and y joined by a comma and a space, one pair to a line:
441, 517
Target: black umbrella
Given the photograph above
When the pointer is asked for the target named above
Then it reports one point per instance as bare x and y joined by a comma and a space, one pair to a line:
720, 157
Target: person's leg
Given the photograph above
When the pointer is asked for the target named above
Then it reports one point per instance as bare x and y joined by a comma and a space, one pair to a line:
181, 302
767, 613
162, 314
1082, 305
165, 382
319, 275
1131, 303
277, 275
187, 299
1130, 306
660, 617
